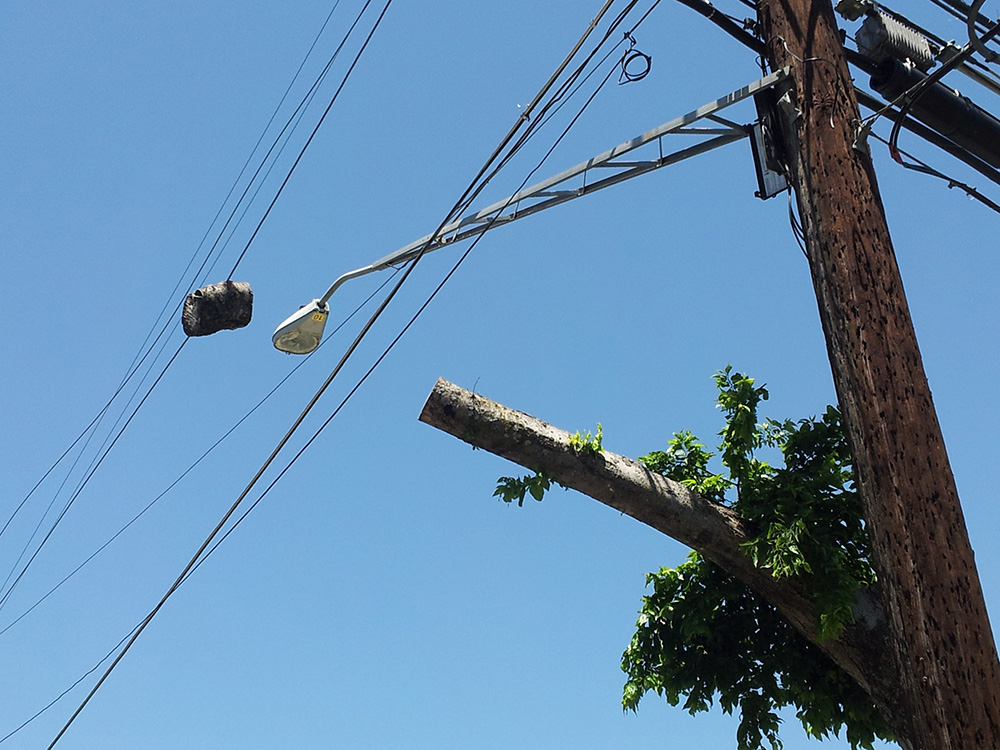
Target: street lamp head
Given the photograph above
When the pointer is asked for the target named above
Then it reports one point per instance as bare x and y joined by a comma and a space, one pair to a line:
300, 333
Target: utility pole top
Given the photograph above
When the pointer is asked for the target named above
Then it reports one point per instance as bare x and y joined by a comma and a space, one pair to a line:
947, 693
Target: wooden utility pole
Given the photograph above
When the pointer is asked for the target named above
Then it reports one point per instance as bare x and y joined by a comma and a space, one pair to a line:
942, 644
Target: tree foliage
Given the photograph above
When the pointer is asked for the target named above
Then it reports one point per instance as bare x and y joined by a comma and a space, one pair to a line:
510, 489
703, 636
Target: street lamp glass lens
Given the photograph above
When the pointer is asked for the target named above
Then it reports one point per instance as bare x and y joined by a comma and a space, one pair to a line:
301, 332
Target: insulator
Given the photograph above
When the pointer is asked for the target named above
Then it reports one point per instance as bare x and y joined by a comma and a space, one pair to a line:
882, 37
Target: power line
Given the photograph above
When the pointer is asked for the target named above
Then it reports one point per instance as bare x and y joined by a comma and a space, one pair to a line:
462, 258
407, 326
197, 461
917, 165
473, 188
236, 182
144, 352
371, 369
94, 468
319, 124
910, 96
276, 148
66, 692
134, 368
149, 506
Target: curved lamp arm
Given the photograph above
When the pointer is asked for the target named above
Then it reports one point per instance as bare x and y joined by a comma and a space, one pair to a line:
301, 333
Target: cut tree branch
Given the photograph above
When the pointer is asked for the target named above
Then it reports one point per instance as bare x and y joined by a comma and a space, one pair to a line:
713, 530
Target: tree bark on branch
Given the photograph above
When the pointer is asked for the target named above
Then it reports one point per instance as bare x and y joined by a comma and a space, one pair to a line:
671, 508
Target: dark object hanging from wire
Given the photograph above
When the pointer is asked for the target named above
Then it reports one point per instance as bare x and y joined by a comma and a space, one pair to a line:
635, 64
217, 307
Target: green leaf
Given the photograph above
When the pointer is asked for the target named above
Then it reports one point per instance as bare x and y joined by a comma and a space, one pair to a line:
704, 636
589, 445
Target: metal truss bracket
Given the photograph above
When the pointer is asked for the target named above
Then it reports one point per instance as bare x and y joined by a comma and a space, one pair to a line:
597, 173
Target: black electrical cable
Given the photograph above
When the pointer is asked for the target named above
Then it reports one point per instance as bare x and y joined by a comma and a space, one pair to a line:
568, 86
236, 182
797, 231
94, 423
101, 455
361, 335
144, 352
149, 506
312, 135
917, 165
135, 369
276, 149
912, 95
406, 327
97, 465
411, 265
413, 319
197, 461
384, 354
66, 692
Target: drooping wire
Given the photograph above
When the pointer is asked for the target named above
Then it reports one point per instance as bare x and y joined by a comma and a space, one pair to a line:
909, 97
144, 351
94, 468
405, 328
315, 130
917, 165
433, 294
135, 368
198, 461
474, 187
631, 56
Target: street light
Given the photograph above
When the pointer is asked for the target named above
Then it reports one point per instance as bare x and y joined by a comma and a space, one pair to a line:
300, 333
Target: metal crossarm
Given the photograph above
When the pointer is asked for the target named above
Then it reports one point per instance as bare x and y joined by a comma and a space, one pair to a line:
548, 193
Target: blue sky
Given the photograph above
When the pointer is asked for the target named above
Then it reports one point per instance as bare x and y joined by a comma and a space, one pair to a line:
379, 596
